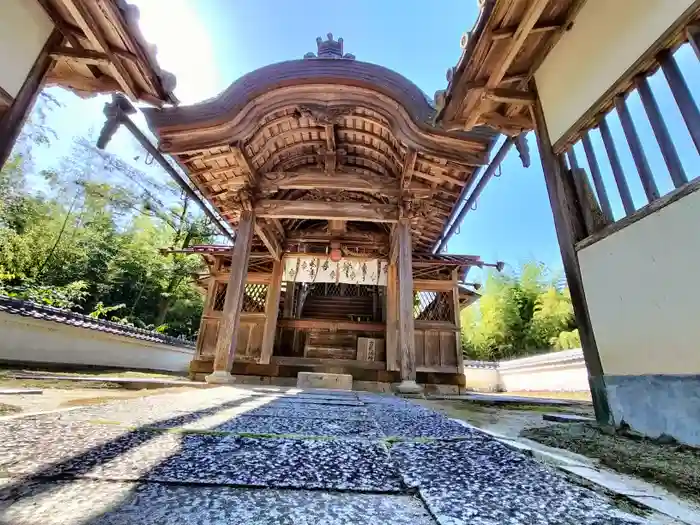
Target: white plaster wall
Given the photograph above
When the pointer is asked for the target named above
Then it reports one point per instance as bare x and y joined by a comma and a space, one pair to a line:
481, 379
642, 288
24, 28
563, 371
38, 341
608, 36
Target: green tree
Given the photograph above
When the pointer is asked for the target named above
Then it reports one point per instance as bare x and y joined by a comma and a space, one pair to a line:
519, 313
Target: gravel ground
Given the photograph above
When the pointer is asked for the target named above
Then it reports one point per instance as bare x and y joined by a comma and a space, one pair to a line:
237, 455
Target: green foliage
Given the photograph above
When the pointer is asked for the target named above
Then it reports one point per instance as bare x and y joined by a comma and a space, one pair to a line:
519, 314
101, 310
87, 232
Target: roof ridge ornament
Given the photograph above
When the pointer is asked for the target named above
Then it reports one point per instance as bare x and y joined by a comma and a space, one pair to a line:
329, 48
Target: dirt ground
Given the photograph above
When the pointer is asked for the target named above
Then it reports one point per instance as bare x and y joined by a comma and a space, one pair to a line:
64, 394
507, 420
676, 467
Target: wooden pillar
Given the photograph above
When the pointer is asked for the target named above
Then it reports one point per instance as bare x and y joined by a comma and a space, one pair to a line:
568, 226
272, 306
12, 121
407, 345
392, 320
231, 316
458, 320
206, 310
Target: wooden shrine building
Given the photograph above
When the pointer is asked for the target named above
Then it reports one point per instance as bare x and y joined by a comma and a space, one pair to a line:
340, 187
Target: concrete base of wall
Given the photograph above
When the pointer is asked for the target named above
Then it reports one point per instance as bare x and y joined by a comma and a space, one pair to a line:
657, 405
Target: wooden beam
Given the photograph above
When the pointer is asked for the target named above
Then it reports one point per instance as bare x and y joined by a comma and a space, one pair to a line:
407, 348
272, 304
355, 238
510, 96
350, 211
327, 324
509, 32
409, 163
515, 124
85, 56
567, 226
104, 84
86, 21
13, 118
231, 316
318, 180
269, 239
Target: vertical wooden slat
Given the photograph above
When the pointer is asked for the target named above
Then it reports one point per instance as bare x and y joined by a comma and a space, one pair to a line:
597, 178
663, 137
573, 161
693, 34
13, 119
590, 210
272, 305
392, 346
405, 309
635, 144
684, 99
231, 316
618, 173
566, 228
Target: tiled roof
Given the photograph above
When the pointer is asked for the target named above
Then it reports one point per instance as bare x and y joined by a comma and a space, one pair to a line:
57, 315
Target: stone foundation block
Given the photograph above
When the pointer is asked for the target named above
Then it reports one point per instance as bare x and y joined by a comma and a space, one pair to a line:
324, 380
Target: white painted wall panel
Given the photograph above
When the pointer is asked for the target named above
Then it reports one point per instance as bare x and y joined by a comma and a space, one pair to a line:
641, 285
24, 28
608, 36
39, 341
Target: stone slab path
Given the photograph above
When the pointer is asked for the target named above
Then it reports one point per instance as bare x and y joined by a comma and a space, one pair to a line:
250, 456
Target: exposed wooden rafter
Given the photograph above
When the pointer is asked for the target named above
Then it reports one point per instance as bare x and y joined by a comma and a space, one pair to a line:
84, 18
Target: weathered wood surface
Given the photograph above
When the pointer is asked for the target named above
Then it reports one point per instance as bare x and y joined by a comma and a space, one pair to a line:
272, 304
351, 211
337, 180
392, 320
405, 303
230, 320
569, 229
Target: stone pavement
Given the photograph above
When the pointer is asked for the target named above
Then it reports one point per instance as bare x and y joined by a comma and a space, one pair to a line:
269, 456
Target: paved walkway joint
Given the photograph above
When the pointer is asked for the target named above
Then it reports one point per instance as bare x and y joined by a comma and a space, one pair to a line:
256, 456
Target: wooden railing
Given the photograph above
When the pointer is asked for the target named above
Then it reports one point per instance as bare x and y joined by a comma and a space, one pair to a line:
637, 155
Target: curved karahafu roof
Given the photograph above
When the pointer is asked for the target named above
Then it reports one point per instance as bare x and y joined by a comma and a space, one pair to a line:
322, 139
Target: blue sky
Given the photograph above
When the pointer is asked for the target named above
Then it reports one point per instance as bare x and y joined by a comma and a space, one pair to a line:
210, 43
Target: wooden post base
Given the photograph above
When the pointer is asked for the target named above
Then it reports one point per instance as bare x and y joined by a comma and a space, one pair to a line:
408, 386
220, 377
